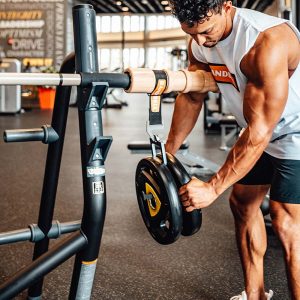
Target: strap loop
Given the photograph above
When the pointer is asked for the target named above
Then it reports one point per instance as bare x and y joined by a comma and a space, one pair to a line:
161, 79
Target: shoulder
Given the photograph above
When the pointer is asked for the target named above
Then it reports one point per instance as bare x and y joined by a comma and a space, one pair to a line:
268, 55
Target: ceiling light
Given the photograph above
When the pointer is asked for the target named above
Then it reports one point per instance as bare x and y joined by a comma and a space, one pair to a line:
125, 8
164, 2
119, 3
168, 8
144, 1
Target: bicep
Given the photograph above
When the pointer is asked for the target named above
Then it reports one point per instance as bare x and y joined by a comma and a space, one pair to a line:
266, 91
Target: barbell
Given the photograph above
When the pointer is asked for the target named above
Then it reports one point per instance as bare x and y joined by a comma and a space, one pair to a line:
139, 80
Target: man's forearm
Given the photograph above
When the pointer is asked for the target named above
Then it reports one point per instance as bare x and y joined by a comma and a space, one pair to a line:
242, 157
186, 112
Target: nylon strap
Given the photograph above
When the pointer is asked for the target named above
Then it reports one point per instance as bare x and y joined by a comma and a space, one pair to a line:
155, 117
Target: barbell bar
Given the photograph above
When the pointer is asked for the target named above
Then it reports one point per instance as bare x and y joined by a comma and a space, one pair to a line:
139, 80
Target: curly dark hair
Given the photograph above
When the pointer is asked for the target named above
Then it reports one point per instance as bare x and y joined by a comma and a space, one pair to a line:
195, 11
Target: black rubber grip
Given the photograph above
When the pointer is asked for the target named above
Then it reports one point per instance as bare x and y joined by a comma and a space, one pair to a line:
114, 80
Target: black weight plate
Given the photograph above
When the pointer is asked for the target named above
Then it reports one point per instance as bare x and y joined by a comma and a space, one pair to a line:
162, 214
191, 221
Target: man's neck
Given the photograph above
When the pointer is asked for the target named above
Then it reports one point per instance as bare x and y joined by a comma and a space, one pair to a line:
229, 24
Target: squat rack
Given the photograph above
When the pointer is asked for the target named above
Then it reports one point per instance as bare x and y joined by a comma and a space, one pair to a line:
92, 87
85, 241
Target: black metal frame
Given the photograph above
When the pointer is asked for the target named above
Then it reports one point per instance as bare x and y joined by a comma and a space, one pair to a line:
297, 11
85, 241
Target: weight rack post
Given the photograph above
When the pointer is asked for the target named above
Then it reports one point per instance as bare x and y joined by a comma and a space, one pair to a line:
42, 265
94, 147
59, 121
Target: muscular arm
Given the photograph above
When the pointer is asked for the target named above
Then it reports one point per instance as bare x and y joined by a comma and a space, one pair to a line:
266, 67
186, 111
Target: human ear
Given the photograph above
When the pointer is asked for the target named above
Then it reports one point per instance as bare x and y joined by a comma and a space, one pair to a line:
227, 6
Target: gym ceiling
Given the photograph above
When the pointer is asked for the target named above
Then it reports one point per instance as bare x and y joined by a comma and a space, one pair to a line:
157, 6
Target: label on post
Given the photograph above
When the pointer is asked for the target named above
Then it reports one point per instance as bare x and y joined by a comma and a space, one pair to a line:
95, 171
98, 187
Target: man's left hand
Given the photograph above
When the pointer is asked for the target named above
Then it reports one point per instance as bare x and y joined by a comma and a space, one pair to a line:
197, 194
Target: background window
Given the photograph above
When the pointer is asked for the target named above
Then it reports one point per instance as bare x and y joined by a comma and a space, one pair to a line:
105, 24
142, 23
161, 22
126, 23
104, 59
175, 23
152, 23
135, 23
116, 24
115, 55
98, 23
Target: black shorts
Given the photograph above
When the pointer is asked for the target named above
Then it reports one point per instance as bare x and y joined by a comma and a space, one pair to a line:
282, 174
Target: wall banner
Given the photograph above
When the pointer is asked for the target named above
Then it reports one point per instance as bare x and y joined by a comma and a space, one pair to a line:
33, 29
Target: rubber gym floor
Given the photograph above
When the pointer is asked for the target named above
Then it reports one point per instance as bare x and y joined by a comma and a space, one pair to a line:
131, 264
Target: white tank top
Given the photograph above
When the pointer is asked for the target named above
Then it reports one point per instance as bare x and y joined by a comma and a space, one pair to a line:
224, 60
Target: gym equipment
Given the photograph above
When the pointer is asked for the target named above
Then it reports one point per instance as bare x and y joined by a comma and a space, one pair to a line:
229, 132
143, 80
265, 206
117, 103
45, 134
254, 4
194, 164
157, 185
158, 200
111, 94
191, 221
297, 13
86, 236
145, 147
10, 96
85, 240
158, 179
181, 56
218, 120
180, 81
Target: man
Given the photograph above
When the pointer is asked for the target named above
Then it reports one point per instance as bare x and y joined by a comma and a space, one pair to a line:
254, 59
